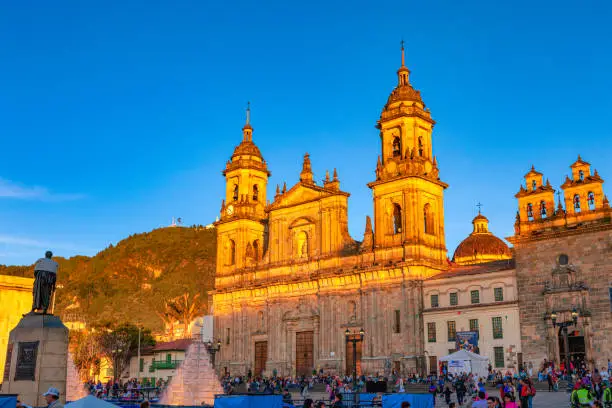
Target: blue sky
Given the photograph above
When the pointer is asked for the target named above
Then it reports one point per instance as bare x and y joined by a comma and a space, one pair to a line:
116, 116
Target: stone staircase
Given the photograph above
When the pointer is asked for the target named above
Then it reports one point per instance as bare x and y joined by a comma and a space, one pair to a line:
195, 381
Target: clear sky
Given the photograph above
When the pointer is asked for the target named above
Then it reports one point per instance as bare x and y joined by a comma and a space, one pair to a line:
116, 116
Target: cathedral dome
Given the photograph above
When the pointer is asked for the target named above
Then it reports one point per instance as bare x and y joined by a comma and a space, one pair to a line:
404, 92
247, 148
481, 245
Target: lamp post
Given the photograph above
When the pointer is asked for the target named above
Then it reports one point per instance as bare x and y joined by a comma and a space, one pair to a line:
213, 348
563, 326
353, 338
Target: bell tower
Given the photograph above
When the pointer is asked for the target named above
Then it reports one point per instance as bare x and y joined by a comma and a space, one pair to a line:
408, 193
241, 227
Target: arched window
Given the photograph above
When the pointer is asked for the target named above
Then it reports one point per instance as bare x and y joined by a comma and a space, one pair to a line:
543, 209
235, 192
397, 147
530, 212
428, 226
255, 192
302, 244
232, 252
420, 146
397, 219
591, 200
576, 203
581, 175
533, 185
256, 249
563, 259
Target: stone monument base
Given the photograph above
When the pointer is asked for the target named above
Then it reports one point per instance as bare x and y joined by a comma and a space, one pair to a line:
36, 358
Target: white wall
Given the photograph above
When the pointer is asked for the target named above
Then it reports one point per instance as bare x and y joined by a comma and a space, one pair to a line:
484, 311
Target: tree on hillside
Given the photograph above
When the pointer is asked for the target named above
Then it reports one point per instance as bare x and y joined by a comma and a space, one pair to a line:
182, 309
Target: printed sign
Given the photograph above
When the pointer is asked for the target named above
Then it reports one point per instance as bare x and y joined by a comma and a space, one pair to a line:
467, 340
456, 363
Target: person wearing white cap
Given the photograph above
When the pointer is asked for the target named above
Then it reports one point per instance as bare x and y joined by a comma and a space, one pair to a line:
52, 398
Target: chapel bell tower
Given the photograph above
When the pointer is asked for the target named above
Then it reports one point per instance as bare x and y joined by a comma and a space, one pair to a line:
240, 230
408, 194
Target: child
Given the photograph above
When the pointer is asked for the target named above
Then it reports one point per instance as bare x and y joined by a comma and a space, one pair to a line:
509, 401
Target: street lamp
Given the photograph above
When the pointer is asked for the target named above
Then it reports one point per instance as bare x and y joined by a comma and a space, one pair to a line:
563, 326
213, 348
353, 338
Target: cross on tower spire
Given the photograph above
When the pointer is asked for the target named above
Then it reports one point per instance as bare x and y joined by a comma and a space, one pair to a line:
247, 129
403, 72
479, 207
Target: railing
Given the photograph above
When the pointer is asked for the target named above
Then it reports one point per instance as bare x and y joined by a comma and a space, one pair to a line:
164, 365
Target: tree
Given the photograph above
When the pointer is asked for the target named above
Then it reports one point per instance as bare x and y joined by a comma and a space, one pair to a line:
120, 343
86, 353
184, 309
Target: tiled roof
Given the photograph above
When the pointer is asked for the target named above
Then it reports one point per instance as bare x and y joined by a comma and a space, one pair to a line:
181, 344
495, 266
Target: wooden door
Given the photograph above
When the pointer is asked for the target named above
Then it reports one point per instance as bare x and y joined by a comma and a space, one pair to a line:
304, 362
433, 365
349, 357
261, 355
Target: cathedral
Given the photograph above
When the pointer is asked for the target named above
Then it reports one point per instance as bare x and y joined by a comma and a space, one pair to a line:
294, 293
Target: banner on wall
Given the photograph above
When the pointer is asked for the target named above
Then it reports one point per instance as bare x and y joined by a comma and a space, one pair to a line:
467, 340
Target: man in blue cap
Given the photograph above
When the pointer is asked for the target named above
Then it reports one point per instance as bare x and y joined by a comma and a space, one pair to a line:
52, 398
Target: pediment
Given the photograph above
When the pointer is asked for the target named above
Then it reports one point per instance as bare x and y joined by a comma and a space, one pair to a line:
299, 194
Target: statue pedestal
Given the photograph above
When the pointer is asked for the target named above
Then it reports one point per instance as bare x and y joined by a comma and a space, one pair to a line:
36, 358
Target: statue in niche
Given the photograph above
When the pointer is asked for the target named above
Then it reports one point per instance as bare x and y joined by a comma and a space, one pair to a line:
352, 311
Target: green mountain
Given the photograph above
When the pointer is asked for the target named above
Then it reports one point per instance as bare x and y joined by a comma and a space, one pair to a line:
132, 281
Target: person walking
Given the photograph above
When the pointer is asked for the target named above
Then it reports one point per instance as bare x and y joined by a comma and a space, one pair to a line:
524, 394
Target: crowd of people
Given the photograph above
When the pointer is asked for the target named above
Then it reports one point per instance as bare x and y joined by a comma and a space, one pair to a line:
497, 390
130, 390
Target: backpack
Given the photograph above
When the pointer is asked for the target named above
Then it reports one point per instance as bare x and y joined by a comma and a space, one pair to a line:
532, 390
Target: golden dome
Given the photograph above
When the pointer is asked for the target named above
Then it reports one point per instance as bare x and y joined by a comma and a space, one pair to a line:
247, 148
481, 245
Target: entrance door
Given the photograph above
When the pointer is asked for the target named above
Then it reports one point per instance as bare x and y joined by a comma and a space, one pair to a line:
349, 356
577, 349
261, 355
304, 362
433, 364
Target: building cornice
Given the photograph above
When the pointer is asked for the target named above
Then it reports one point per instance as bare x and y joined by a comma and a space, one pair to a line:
461, 308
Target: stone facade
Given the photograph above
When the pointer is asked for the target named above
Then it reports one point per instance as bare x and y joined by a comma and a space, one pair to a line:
563, 265
292, 286
16, 299
291, 281
583, 283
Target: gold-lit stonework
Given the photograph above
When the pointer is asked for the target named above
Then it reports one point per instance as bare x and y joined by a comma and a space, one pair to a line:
15, 300
290, 277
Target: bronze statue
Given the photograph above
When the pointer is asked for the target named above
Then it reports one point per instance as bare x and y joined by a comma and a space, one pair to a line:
45, 274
